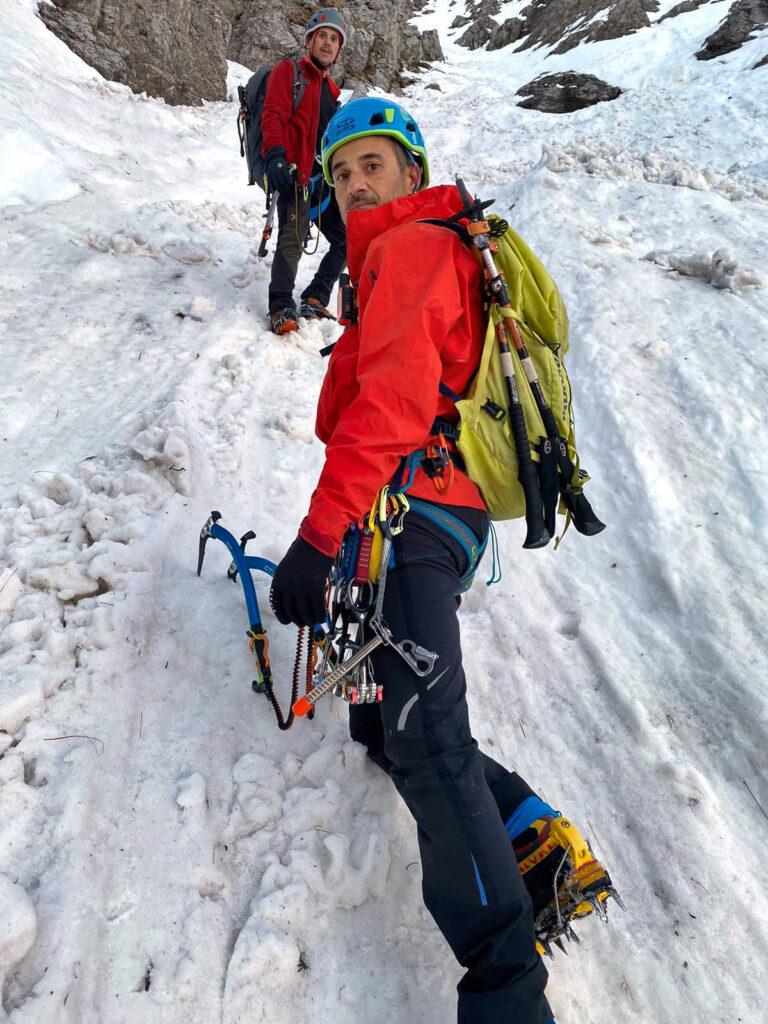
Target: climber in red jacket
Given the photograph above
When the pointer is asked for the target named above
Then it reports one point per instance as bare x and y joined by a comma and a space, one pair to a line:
393, 376
291, 138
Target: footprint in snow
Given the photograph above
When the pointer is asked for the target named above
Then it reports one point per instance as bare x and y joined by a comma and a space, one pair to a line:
570, 626
187, 252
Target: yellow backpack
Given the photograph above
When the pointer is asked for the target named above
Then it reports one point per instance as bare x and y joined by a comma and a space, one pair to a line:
485, 437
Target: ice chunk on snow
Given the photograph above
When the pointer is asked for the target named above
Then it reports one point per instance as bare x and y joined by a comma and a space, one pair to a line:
21, 698
191, 792
18, 925
721, 269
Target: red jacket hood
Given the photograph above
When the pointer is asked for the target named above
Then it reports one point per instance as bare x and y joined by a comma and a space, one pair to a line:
363, 226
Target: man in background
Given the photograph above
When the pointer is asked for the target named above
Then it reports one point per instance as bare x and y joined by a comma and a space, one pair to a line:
291, 141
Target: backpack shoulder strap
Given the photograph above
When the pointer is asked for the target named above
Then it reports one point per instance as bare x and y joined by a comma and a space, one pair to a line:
298, 84
452, 225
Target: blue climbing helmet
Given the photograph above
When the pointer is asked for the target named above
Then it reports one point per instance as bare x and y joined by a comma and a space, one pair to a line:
327, 17
374, 116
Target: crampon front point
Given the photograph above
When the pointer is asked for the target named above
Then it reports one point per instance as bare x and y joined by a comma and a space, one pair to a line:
564, 879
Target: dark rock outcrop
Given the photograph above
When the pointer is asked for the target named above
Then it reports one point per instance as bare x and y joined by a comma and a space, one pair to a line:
478, 33
683, 8
761, 63
743, 19
561, 24
503, 35
567, 23
565, 92
178, 49
480, 21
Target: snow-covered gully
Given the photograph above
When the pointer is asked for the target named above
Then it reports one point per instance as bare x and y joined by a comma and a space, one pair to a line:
166, 855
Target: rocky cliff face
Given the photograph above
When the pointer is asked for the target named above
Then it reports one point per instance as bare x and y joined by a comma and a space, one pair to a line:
743, 19
178, 49
559, 24
382, 50
562, 24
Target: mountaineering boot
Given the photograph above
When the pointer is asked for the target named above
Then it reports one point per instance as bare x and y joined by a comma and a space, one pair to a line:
561, 875
313, 309
283, 320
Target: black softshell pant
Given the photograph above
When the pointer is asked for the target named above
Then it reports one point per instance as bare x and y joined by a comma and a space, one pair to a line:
293, 220
460, 798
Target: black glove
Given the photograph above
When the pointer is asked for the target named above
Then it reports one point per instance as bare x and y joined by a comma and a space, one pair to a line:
279, 177
298, 586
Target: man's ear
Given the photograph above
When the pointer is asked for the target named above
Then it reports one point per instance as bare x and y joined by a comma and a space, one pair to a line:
414, 176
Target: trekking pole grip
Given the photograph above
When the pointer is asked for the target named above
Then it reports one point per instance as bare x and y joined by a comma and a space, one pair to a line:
537, 535
584, 518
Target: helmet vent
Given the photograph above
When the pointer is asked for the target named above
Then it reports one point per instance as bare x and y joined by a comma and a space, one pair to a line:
376, 119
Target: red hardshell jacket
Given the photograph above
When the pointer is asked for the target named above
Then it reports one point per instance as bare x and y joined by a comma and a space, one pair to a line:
295, 130
420, 322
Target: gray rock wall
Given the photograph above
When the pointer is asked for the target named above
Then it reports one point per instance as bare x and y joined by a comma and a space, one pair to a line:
744, 19
560, 24
178, 49
382, 50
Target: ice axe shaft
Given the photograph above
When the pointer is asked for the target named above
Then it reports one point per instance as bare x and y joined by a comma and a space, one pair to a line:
267, 232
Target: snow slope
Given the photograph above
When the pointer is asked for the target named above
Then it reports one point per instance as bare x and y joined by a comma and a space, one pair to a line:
168, 856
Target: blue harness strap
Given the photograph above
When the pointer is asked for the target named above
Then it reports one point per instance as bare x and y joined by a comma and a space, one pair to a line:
454, 527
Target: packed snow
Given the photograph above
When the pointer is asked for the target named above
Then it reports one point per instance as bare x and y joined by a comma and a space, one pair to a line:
167, 856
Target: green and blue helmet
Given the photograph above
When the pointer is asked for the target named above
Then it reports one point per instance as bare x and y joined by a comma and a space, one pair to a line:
374, 116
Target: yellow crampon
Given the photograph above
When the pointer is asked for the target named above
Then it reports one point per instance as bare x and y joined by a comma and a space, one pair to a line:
580, 883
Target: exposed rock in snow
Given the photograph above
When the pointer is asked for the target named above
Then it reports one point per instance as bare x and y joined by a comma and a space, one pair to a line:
562, 25
719, 269
505, 33
566, 23
478, 33
686, 7
566, 91
743, 19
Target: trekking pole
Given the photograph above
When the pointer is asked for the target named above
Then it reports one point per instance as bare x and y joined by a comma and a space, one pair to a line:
584, 518
537, 534
267, 232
